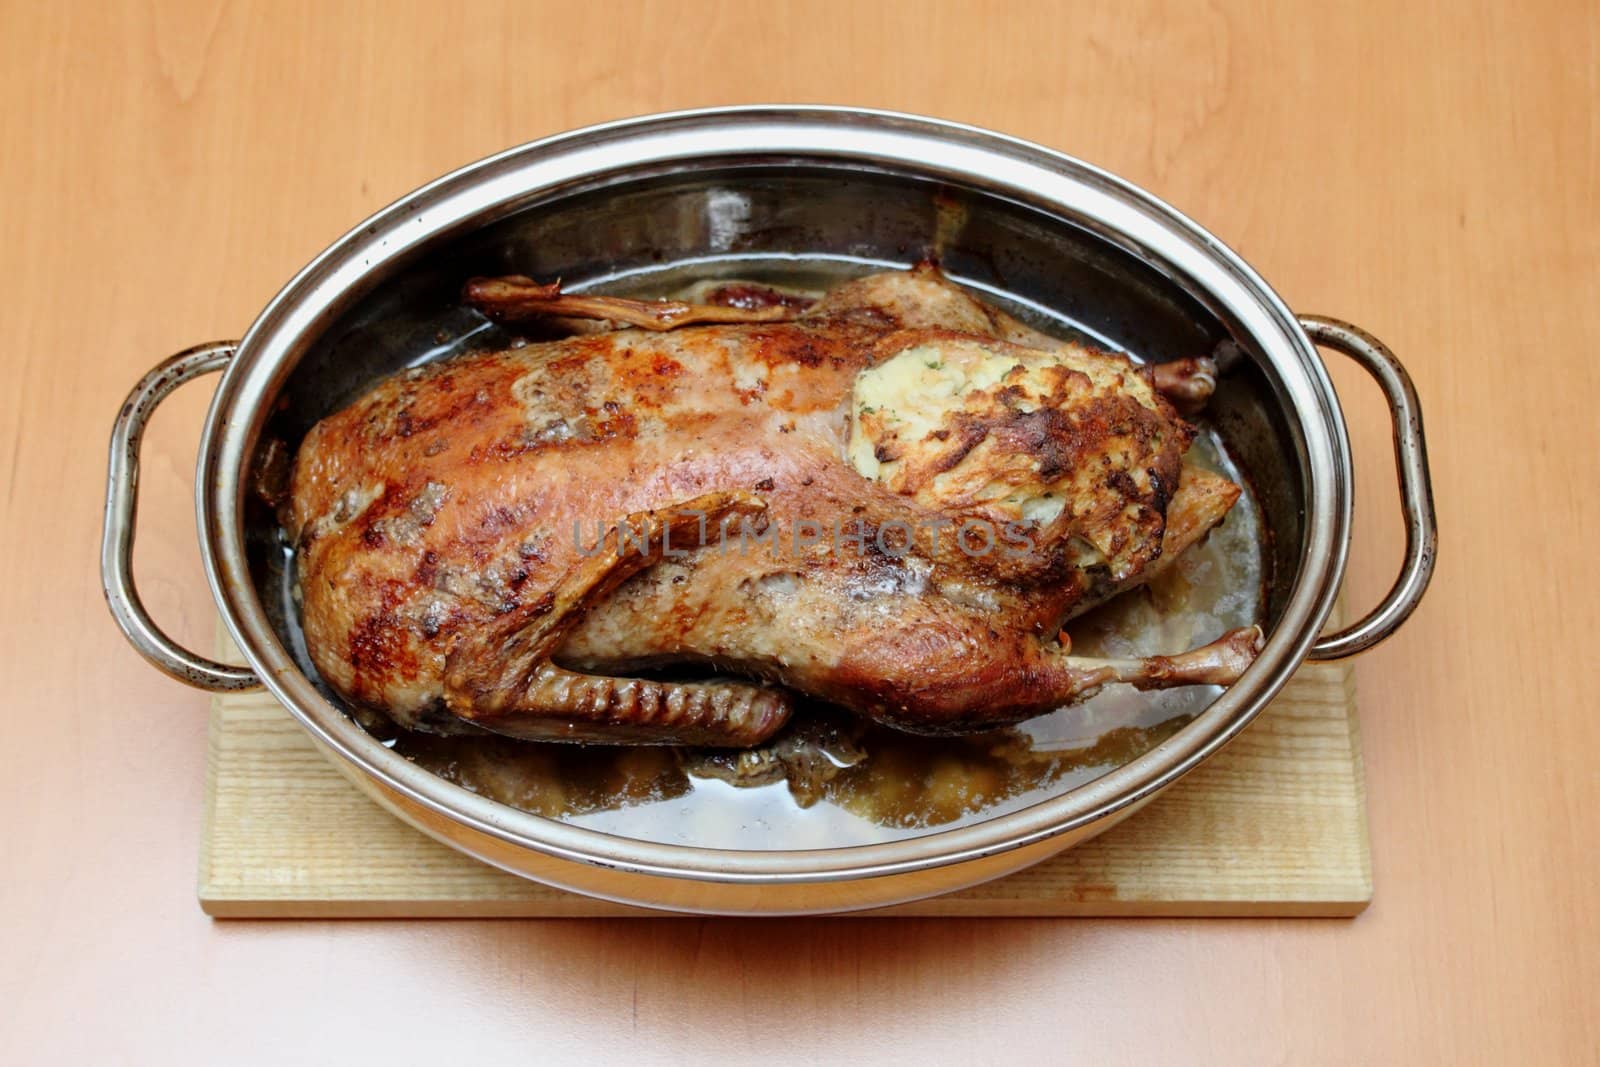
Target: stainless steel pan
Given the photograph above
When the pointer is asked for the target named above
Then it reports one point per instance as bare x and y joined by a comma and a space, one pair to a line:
766, 190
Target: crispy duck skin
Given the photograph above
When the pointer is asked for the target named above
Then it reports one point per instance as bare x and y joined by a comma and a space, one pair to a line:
781, 494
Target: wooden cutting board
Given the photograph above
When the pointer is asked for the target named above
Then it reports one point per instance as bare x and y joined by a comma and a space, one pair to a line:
1275, 824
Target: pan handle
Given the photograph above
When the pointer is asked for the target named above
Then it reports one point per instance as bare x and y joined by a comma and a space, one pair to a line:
1416, 488
122, 497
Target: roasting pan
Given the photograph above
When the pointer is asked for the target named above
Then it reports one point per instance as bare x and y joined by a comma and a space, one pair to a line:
741, 192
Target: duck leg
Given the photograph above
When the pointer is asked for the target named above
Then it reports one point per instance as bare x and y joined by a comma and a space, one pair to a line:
504, 681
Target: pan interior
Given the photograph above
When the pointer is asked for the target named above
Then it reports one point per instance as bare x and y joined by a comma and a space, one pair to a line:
812, 227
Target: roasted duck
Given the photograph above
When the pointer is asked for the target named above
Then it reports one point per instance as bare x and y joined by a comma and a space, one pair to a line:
891, 499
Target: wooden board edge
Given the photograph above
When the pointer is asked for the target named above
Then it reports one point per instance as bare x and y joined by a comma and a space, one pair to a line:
1359, 771
205, 888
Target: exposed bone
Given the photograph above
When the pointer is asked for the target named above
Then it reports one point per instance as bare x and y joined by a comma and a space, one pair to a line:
563, 705
1219, 663
519, 297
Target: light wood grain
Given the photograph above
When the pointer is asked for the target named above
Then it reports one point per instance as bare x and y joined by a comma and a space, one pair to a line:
1427, 169
1273, 825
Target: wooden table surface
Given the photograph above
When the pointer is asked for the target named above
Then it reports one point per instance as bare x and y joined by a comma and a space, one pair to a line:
1427, 170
